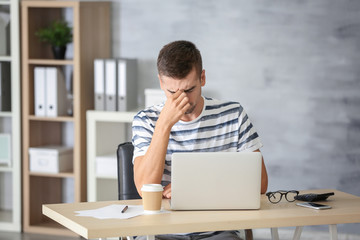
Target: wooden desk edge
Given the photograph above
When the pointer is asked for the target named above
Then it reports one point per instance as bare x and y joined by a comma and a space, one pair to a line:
73, 226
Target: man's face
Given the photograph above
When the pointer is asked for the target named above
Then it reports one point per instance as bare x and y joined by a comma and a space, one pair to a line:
191, 85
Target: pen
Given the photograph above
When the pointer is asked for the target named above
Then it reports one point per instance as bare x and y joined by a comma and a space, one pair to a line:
124, 210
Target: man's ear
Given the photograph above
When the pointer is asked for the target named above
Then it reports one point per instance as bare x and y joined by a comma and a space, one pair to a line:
161, 83
203, 78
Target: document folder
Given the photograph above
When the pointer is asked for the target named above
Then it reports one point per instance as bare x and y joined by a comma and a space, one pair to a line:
127, 84
5, 86
39, 91
99, 84
56, 99
110, 84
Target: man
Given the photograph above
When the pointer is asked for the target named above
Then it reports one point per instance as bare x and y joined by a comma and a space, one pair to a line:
187, 121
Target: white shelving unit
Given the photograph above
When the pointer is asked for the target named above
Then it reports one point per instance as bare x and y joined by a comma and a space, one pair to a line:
105, 131
10, 175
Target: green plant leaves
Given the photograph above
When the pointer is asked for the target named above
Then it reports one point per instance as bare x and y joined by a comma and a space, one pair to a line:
57, 34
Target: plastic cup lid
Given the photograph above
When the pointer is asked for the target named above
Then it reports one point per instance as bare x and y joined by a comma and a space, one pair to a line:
152, 188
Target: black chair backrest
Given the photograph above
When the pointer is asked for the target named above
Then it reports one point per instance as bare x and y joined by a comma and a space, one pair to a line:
126, 185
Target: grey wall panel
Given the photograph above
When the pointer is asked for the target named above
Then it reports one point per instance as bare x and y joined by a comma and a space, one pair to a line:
294, 65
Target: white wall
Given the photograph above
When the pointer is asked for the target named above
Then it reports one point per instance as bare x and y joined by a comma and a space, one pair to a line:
294, 65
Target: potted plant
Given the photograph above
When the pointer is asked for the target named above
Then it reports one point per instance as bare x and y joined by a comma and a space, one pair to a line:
58, 34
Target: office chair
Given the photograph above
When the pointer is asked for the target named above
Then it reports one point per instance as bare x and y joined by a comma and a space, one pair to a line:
126, 186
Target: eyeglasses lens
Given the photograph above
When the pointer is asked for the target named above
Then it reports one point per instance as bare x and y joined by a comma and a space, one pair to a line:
290, 196
275, 197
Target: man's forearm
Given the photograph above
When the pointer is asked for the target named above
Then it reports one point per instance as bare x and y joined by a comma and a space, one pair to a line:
150, 167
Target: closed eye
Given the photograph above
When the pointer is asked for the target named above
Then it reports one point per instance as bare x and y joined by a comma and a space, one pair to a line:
185, 91
189, 90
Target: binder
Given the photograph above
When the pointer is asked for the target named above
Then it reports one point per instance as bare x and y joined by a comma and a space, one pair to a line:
99, 84
5, 86
39, 91
56, 99
127, 84
110, 84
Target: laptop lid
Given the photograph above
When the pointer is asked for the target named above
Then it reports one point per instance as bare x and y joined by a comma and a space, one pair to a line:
215, 180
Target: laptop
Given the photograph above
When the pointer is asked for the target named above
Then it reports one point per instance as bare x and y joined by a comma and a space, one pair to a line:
215, 180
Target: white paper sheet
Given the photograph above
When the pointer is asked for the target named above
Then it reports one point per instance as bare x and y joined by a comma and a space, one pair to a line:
113, 211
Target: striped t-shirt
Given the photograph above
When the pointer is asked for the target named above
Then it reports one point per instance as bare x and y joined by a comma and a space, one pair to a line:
221, 127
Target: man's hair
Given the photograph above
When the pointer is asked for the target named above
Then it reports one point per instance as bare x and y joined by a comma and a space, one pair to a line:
177, 59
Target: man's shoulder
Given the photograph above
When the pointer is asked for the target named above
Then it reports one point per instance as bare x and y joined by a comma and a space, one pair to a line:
150, 112
212, 103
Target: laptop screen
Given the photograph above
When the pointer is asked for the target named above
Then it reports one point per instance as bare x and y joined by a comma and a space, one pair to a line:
215, 180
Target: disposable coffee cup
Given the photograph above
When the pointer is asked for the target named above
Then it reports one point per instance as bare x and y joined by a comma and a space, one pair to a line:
152, 197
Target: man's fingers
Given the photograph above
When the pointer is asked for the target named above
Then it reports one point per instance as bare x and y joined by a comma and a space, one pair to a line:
175, 107
178, 98
183, 102
177, 94
167, 191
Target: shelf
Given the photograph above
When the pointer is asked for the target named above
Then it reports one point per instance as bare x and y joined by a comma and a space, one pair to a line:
5, 58
54, 4
91, 39
50, 62
4, 168
5, 114
53, 175
51, 119
109, 116
10, 176
106, 177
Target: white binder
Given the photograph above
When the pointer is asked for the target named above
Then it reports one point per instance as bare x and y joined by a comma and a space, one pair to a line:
56, 99
127, 84
99, 84
110, 84
39, 91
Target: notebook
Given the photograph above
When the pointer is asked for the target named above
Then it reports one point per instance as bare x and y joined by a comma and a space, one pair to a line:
215, 180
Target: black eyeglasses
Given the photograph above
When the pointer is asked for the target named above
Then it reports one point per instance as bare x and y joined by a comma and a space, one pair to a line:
275, 197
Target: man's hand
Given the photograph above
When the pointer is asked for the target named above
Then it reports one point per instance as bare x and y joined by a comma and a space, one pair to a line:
175, 107
167, 191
